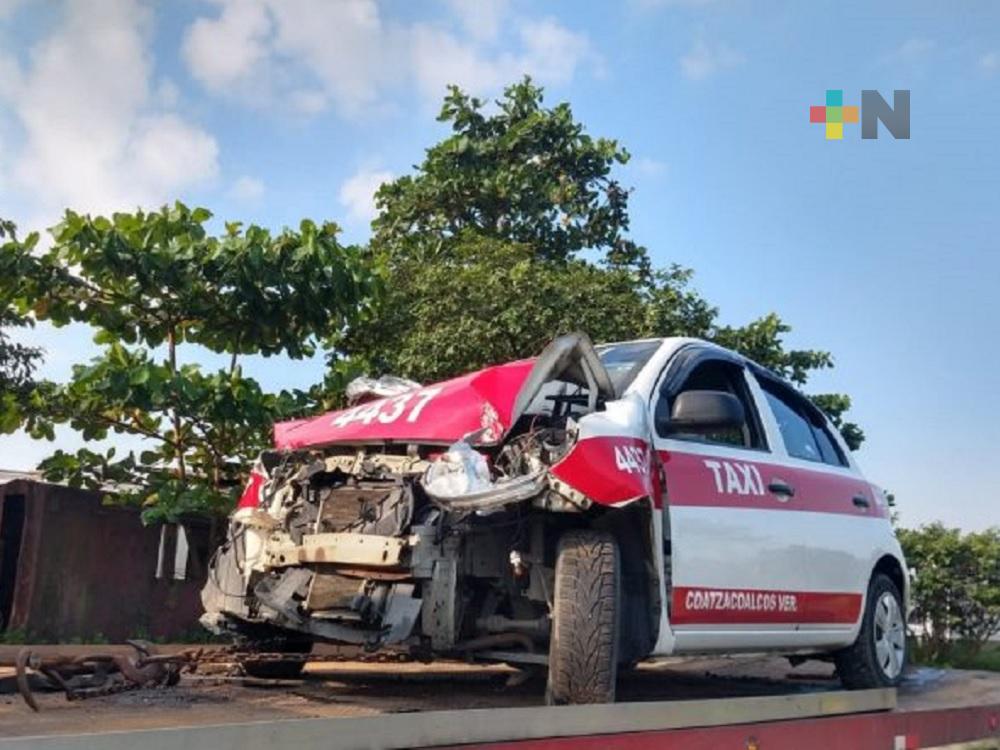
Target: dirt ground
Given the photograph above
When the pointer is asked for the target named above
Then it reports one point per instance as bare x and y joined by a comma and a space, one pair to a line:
338, 689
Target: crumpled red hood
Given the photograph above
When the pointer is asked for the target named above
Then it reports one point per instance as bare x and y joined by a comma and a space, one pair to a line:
439, 413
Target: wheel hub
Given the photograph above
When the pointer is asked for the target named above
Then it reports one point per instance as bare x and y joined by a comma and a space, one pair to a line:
890, 635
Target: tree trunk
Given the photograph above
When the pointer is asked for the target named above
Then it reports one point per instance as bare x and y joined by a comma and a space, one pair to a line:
175, 415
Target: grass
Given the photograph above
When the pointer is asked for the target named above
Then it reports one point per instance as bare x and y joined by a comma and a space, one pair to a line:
988, 658
194, 636
960, 655
13, 637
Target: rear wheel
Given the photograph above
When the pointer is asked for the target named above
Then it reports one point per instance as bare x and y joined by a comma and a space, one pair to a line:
583, 653
878, 656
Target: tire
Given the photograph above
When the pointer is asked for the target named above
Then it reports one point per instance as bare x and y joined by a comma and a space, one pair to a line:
280, 669
583, 650
878, 657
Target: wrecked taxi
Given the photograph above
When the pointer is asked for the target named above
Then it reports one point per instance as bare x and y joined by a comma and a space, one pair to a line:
579, 511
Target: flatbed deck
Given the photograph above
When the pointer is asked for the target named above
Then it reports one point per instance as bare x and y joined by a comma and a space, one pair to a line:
352, 704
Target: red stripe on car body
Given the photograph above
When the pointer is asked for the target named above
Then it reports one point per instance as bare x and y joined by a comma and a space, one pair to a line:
603, 468
251, 495
692, 482
594, 468
707, 606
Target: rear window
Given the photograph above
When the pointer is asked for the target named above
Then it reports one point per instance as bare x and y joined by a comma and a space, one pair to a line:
797, 433
802, 427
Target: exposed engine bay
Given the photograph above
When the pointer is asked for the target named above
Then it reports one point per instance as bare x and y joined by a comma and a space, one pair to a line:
436, 548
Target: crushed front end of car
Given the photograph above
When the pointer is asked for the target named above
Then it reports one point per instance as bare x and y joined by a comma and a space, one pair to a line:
429, 520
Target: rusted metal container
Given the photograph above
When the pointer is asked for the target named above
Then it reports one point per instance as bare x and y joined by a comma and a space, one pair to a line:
73, 568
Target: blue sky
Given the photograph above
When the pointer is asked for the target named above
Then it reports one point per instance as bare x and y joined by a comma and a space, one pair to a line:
882, 251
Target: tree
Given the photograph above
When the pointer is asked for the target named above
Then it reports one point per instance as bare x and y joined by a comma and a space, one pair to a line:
524, 174
17, 361
513, 230
956, 590
155, 286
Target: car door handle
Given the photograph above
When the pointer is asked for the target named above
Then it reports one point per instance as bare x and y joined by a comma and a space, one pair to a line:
781, 487
860, 501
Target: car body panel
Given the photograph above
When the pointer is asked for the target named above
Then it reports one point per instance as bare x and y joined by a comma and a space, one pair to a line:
441, 413
610, 461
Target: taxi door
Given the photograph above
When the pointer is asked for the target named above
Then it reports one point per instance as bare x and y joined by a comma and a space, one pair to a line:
743, 556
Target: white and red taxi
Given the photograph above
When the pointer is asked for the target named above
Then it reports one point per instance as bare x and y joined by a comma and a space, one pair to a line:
585, 509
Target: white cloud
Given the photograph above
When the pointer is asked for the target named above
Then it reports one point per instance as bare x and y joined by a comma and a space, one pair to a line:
308, 101
647, 166
990, 62
167, 94
440, 59
10, 76
342, 44
221, 51
262, 50
704, 60
247, 189
94, 136
8, 7
656, 4
482, 19
348, 56
911, 51
169, 152
552, 51
548, 52
357, 193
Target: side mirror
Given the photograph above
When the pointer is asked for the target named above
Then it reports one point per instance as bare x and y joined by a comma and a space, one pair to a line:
704, 411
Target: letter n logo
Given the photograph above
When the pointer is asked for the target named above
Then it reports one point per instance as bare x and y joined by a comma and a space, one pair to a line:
895, 118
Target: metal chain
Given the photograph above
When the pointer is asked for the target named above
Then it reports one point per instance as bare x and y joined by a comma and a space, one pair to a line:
111, 687
244, 655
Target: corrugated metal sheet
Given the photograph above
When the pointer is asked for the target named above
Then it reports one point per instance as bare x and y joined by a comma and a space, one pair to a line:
85, 570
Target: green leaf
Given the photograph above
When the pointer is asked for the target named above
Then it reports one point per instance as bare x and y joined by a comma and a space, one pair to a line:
201, 215
139, 376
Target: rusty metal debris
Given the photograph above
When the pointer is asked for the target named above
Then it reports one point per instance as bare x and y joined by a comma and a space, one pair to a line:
95, 675
92, 675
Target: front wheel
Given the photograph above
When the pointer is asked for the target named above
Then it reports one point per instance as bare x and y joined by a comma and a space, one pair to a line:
583, 653
878, 656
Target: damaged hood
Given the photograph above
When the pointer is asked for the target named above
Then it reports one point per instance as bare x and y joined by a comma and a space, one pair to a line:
488, 401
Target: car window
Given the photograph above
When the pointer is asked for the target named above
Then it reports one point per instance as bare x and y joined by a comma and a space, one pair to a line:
795, 429
802, 428
827, 449
718, 375
624, 361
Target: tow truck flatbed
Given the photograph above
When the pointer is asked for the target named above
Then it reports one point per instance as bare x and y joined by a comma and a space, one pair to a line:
736, 702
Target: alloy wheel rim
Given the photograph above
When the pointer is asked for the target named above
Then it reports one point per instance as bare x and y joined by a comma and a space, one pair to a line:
890, 635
